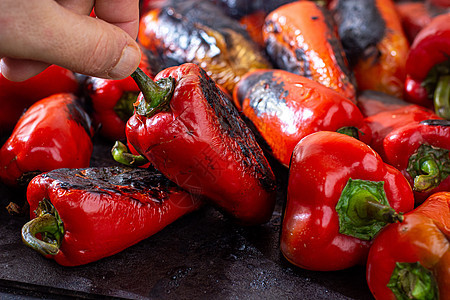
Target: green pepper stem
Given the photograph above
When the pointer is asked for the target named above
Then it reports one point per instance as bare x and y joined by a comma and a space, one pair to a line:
350, 131
45, 223
367, 207
120, 154
442, 97
156, 95
430, 179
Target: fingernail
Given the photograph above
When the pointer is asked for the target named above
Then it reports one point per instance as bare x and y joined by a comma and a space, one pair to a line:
128, 62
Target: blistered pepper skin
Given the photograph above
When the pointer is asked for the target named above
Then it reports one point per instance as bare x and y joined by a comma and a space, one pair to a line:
284, 107
301, 39
200, 142
106, 210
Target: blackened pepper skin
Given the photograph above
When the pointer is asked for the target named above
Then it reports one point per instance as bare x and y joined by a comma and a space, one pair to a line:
197, 139
83, 215
200, 32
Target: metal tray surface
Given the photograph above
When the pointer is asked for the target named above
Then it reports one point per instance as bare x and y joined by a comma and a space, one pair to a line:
203, 255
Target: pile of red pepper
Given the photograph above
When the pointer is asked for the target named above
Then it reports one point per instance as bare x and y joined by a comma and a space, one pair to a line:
351, 98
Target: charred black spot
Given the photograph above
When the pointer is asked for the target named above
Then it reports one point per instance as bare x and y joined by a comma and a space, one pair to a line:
315, 18
360, 25
117, 179
436, 122
77, 114
239, 8
232, 125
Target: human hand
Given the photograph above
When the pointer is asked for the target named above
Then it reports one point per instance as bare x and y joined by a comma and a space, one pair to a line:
37, 33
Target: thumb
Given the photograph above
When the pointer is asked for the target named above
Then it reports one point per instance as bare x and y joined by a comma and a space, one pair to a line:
52, 34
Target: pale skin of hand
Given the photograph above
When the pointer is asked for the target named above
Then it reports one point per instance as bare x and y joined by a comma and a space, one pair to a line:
37, 33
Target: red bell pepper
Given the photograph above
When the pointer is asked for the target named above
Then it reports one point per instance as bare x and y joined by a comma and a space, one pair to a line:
53, 133
284, 107
15, 97
300, 38
83, 215
112, 102
191, 132
428, 66
340, 195
414, 16
374, 42
411, 260
373, 102
383, 123
420, 150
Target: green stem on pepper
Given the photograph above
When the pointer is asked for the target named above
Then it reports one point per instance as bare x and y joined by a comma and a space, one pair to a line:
120, 154
442, 97
156, 95
364, 210
350, 131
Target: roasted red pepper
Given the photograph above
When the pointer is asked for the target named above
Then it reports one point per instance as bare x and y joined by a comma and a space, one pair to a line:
112, 102
340, 195
284, 107
414, 16
428, 66
373, 102
191, 132
301, 39
53, 133
83, 215
383, 123
197, 31
15, 97
411, 260
374, 42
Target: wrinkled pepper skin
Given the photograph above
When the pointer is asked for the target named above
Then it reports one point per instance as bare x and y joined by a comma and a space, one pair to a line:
421, 239
15, 97
200, 142
199, 32
300, 38
105, 210
374, 42
284, 107
428, 66
53, 133
420, 150
112, 102
383, 123
322, 165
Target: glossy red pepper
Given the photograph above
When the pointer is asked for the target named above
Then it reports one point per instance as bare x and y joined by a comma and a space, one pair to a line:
191, 132
340, 195
284, 107
411, 260
428, 66
300, 38
383, 123
112, 102
53, 133
83, 215
374, 42
373, 102
15, 97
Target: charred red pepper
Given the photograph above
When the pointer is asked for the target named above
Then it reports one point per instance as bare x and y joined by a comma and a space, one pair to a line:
82, 215
374, 102
15, 97
53, 133
374, 42
301, 39
340, 195
410, 260
191, 132
428, 66
197, 31
284, 107
112, 102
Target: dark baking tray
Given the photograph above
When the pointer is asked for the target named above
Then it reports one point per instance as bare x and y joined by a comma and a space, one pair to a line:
203, 255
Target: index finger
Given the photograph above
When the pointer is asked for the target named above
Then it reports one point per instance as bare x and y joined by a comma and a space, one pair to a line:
122, 13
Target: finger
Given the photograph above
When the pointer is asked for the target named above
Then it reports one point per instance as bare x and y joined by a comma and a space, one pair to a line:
80, 43
81, 7
19, 69
122, 13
